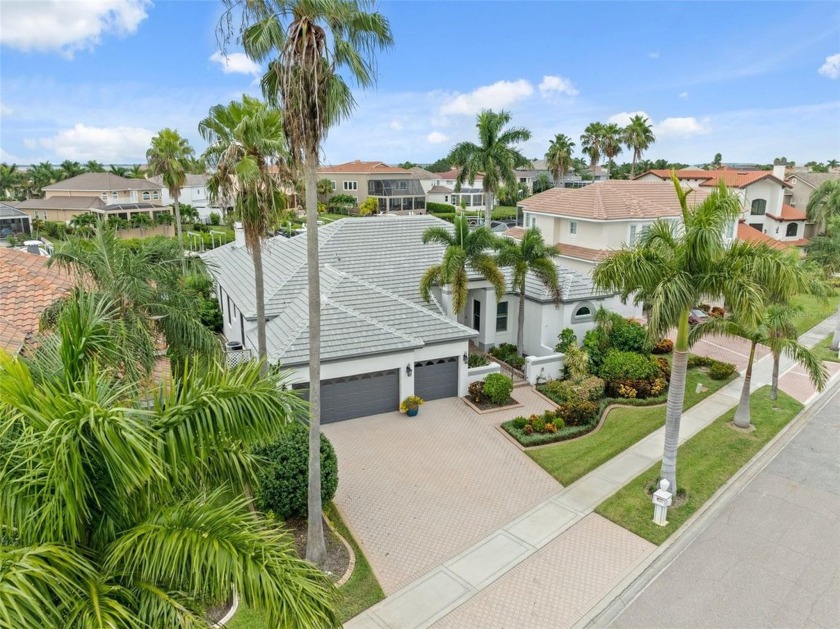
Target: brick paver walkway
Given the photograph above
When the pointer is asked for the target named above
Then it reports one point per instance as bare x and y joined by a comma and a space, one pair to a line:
728, 350
416, 492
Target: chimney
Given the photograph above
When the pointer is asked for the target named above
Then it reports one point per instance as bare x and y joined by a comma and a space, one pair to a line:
779, 171
239, 234
33, 247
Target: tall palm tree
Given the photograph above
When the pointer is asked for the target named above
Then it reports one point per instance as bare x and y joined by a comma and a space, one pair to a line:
592, 142
92, 166
10, 180
43, 175
776, 330
530, 255
638, 136
137, 171
832, 163
147, 286
823, 204
611, 142
308, 45
119, 171
558, 158
115, 501
494, 158
674, 267
69, 168
246, 138
465, 250
169, 157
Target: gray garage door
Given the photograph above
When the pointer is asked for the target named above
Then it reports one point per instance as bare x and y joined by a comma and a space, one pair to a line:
359, 395
434, 379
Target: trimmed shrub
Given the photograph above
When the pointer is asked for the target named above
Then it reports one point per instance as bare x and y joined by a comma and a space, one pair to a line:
665, 346
621, 365
591, 388
283, 479
498, 388
629, 336
478, 360
476, 392
440, 208
507, 352
565, 340
700, 361
578, 413
721, 371
664, 368
215, 218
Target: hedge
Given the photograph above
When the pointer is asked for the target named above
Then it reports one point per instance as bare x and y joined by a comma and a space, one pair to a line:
439, 208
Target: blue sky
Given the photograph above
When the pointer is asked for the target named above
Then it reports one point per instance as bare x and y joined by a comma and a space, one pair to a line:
94, 79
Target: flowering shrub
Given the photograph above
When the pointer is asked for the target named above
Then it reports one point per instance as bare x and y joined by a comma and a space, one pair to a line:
578, 413
591, 388
476, 392
547, 423
627, 391
412, 401
665, 346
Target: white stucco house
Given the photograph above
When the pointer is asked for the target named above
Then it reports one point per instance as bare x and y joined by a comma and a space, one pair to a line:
380, 340
193, 193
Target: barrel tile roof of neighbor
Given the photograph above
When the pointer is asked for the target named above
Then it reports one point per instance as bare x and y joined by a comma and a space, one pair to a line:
363, 168
732, 177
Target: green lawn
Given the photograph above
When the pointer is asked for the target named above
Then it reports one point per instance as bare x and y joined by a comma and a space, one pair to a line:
328, 217
359, 593
567, 461
705, 463
815, 310
821, 349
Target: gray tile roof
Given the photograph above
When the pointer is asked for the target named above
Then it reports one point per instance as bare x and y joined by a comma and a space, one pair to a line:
101, 182
192, 180
8, 211
63, 203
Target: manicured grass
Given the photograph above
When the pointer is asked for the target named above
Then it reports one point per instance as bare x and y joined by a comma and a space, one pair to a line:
814, 310
821, 350
328, 217
570, 460
359, 593
705, 462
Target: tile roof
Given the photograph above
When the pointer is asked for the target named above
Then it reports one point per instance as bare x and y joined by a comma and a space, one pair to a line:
515, 233
440, 190
789, 213
101, 182
363, 168
27, 288
732, 177
612, 200
63, 203
192, 180
452, 174
583, 253
751, 234
421, 173
813, 179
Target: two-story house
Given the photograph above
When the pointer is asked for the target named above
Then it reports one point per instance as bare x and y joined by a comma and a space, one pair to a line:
802, 184
395, 189
194, 192
471, 195
104, 194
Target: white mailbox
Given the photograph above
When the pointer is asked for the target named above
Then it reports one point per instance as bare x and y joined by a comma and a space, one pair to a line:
662, 499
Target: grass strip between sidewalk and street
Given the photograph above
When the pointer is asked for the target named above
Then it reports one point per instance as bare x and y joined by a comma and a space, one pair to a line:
704, 464
815, 310
822, 351
359, 593
568, 461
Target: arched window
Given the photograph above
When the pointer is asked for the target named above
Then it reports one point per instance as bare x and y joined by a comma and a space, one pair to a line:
792, 230
759, 206
583, 312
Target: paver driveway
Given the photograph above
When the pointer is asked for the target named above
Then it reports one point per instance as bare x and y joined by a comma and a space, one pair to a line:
417, 492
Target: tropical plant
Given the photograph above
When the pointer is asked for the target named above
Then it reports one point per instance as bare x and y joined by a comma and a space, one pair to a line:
43, 175
497, 388
542, 182
776, 329
464, 248
832, 163
611, 141
69, 168
92, 166
137, 171
369, 206
245, 138
141, 220
324, 187
308, 44
638, 136
494, 158
592, 142
10, 180
823, 204
168, 157
119, 171
189, 213
410, 403
529, 255
558, 158
116, 503
673, 267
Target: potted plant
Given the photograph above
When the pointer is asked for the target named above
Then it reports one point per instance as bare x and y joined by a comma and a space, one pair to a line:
411, 405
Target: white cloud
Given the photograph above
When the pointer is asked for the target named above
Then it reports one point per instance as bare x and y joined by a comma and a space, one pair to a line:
654, 54
236, 63
106, 144
47, 25
396, 125
557, 85
500, 94
831, 67
683, 95
622, 119
681, 127
436, 137
5, 110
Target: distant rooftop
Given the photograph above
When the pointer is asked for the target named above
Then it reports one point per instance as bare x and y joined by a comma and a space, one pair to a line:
101, 182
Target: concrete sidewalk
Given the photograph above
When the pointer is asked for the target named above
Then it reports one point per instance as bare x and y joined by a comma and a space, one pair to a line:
543, 541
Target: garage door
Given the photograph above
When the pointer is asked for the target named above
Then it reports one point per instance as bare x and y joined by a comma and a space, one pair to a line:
359, 395
434, 379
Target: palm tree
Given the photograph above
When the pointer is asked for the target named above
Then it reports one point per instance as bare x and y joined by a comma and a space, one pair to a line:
119, 171
324, 187
832, 163
308, 44
674, 267
69, 168
559, 156
169, 157
115, 501
146, 284
530, 255
493, 158
137, 172
638, 136
592, 142
10, 180
776, 330
246, 138
464, 248
92, 166
823, 204
611, 142
43, 175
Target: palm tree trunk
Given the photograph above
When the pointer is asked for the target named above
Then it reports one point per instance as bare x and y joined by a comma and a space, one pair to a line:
774, 384
520, 325
676, 399
177, 204
259, 290
488, 207
633, 167
835, 342
316, 550
742, 415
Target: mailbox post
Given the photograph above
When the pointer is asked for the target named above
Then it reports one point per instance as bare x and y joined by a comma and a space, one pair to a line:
662, 499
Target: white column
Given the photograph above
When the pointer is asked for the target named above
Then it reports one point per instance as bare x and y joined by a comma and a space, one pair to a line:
487, 333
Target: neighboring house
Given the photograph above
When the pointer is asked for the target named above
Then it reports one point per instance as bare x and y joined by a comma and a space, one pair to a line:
751, 234
426, 178
802, 185
396, 189
380, 341
13, 221
568, 180
27, 288
761, 192
194, 193
105, 194
444, 190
